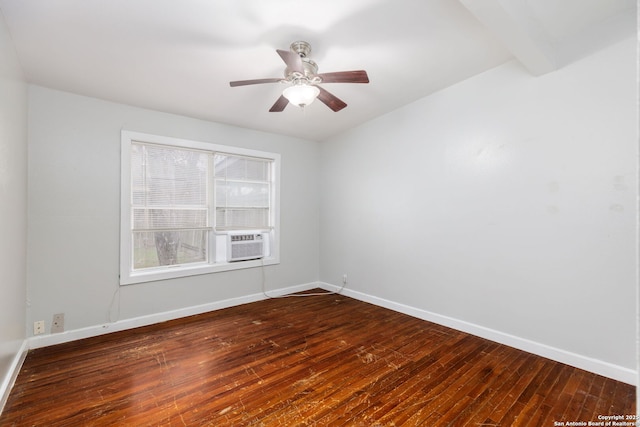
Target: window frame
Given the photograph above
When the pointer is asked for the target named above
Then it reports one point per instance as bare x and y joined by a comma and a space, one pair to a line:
128, 276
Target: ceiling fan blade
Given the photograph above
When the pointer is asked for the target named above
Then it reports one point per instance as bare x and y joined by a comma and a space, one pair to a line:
292, 59
359, 76
279, 105
253, 82
330, 100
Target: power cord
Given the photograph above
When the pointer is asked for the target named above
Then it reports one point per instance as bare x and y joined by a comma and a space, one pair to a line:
112, 303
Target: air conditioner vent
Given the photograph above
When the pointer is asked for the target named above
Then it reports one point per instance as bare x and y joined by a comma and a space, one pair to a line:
245, 246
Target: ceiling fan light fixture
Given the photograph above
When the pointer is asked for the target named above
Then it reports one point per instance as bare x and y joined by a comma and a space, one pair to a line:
301, 94
302, 75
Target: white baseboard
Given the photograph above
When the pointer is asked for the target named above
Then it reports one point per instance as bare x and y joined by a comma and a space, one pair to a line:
10, 378
596, 366
121, 325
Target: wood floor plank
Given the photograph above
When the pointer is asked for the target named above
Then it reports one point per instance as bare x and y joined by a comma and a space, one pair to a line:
474, 373
503, 413
321, 360
502, 384
399, 375
435, 389
407, 396
555, 398
540, 417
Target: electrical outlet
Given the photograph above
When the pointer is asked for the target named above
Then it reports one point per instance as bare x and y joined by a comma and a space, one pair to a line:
344, 279
58, 323
38, 327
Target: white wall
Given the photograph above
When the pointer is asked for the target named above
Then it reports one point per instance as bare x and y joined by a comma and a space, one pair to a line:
507, 201
74, 185
13, 206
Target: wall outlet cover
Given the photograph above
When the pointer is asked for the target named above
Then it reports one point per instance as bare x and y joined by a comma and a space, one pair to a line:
38, 327
58, 323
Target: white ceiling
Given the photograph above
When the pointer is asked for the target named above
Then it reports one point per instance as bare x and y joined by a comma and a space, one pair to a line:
178, 56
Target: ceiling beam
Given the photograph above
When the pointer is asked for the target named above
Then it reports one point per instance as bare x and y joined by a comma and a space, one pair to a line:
512, 24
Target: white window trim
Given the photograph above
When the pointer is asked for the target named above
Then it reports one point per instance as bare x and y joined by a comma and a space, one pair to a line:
127, 275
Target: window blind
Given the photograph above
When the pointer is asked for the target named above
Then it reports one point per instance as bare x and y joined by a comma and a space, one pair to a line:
242, 192
170, 207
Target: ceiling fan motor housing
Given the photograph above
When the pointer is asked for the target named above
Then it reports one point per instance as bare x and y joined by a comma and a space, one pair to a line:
303, 49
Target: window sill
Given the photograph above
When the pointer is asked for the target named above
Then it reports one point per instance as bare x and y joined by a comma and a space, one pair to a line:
196, 270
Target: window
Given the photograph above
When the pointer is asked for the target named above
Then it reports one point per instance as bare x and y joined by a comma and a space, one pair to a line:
182, 200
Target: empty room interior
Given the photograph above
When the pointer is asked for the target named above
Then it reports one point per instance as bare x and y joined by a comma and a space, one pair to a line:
455, 215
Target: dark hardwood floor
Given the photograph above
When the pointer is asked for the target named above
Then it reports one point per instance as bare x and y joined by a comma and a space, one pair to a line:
313, 361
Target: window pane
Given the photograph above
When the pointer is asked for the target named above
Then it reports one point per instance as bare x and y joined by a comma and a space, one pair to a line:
144, 218
238, 218
154, 249
168, 176
242, 194
234, 167
169, 192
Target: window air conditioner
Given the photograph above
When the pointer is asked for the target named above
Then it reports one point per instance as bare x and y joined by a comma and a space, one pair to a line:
241, 247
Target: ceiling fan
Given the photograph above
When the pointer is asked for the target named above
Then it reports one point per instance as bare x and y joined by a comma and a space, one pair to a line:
303, 79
